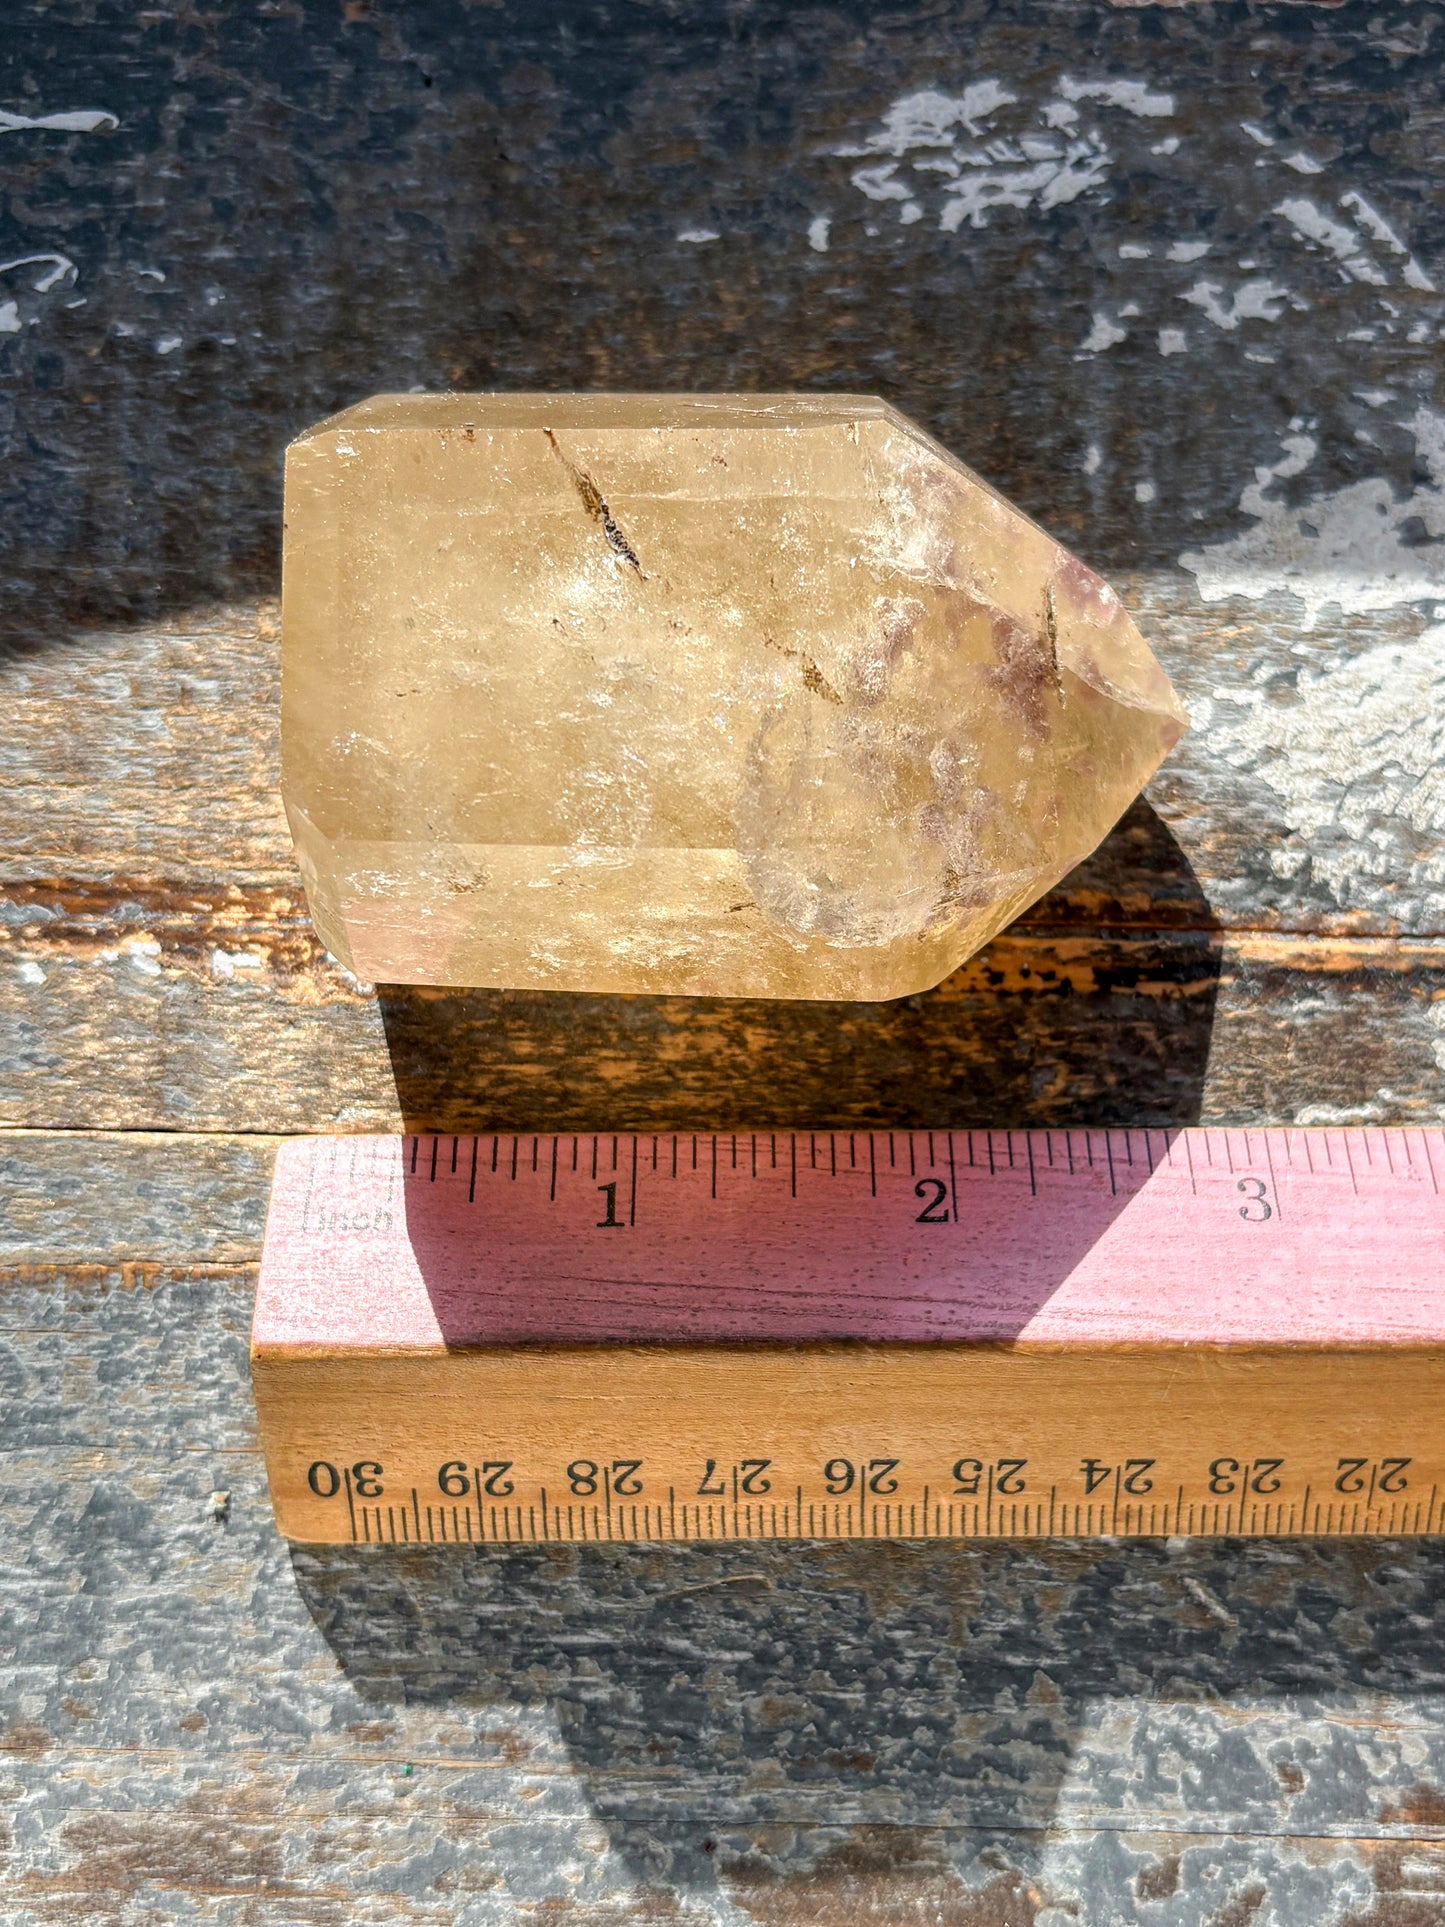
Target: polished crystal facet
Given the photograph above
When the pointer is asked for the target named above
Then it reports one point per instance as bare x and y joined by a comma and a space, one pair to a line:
730, 695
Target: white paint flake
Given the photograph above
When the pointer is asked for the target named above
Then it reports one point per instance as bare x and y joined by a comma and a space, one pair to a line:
880, 183
966, 157
1103, 334
953, 143
1134, 96
819, 229
1311, 223
10, 323
225, 963
168, 344
1358, 762
1145, 491
1379, 229
58, 268
1373, 222
1355, 549
1049, 174
30, 973
80, 120
698, 237
930, 118
1093, 460
1251, 301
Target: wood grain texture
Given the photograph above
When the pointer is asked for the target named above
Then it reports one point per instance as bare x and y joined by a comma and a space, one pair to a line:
195, 1726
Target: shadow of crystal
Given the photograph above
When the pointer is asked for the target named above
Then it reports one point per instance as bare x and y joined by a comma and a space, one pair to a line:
1094, 1008
767, 1721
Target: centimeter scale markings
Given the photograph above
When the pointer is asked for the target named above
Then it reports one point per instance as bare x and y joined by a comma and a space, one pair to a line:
908, 1334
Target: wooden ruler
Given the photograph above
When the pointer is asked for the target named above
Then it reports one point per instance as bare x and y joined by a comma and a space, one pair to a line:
857, 1334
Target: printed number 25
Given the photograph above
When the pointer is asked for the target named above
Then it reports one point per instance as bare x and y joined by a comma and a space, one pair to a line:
1258, 1207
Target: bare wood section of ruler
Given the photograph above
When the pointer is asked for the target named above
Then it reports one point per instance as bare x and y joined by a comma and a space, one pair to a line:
995, 1334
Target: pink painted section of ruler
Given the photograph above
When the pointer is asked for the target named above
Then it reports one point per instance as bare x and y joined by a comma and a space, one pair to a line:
1205, 1236
1199, 1236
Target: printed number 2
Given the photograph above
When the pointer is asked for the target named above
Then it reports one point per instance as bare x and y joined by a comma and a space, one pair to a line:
936, 1209
1258, 1208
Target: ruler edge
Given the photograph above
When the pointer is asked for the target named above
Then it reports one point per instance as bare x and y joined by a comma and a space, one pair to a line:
299, 1149
274, 1361
278, 1440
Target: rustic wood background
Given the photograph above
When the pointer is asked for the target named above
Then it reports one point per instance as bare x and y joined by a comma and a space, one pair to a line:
1178, 296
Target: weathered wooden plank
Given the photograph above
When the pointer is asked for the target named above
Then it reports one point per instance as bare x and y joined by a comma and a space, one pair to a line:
607, 196
105, 1200
162, 970
1152, 1028
144, 778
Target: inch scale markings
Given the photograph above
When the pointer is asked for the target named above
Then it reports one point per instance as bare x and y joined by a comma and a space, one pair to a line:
527, 1339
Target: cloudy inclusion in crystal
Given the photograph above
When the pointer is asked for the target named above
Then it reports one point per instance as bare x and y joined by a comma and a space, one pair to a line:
722, 695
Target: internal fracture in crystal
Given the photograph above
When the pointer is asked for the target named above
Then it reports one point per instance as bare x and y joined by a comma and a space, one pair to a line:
723, 695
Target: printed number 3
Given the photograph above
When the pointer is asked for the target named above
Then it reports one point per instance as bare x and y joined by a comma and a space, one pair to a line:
1258, 1208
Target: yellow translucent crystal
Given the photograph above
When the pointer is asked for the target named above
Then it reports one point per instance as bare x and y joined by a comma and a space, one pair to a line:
728, 695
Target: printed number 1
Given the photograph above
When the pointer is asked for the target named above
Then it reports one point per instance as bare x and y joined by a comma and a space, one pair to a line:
611, 1222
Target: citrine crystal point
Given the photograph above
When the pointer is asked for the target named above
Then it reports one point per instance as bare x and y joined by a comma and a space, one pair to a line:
720, 695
